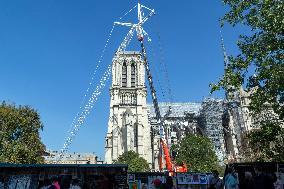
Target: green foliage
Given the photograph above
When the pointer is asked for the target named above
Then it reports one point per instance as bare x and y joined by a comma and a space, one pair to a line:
19, 135
197, 152
260, 65
135, 163
267, 143
262, 52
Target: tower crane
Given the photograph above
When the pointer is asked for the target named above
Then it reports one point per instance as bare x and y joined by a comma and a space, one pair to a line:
141, 34
162, 130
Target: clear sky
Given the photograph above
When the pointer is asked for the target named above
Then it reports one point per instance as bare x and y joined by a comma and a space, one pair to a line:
49, 50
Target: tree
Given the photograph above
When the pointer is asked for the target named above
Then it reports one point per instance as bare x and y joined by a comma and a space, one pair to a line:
134, 162
197, 152
19, 135
259, 67
267, 143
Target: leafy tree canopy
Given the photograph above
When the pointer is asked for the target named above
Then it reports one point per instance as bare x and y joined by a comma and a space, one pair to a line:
260, 63
134, 162
259, 68
266, 143
19, 135
197, 152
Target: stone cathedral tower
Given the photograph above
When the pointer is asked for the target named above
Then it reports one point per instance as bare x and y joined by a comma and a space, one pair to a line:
128, 126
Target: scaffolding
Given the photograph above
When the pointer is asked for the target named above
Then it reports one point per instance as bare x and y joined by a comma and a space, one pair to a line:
211, 113
204, 118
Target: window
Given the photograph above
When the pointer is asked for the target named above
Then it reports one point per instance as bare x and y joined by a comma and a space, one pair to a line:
135, 135
132, 75
107, 144
124, 75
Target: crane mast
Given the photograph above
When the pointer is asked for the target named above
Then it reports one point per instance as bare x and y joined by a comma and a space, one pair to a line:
164, 149
152, 89
163, 134
162, 131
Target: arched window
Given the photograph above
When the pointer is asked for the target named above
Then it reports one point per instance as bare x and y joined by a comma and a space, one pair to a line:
124, 75
135, 132
132, 75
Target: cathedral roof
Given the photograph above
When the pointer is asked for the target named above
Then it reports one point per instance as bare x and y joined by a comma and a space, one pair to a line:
177, 109
131, 52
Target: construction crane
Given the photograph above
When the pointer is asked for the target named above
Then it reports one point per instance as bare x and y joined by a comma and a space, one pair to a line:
141, 35
164, 149
79, 120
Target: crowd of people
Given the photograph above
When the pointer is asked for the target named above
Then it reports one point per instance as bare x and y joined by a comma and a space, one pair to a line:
167, 185
53, 183
67, 182
253, 177
256, 179
248, 180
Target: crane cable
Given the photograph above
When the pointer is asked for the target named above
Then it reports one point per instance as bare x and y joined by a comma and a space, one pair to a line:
162, 62
165, 71
92, 78
84, 111
155, 69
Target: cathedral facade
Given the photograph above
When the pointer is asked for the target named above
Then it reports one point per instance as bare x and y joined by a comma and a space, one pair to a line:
128, 127
133, 126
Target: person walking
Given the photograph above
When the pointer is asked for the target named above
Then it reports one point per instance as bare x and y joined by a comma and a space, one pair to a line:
262, 180
55, 185
277, 181
75, 184
158, 184
231, 179
169, 183
214, 181
248, 181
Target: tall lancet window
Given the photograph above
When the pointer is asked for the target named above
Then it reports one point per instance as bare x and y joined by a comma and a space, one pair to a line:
124, 75
135, 129
132, 75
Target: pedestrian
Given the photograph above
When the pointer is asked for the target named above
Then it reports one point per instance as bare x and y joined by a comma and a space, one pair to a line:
277, 182
262, 180
248, 181
158, 184
169, 183
2, 181
214, 181
231, 179
55, 185
75, 184
46, 184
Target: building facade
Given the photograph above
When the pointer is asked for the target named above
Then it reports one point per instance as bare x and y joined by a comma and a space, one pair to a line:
51, 157
205, 118
133, 126
128, 127
180, 119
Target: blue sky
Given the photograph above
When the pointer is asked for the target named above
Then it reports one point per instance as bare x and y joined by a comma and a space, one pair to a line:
50, 48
